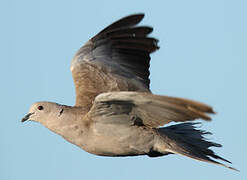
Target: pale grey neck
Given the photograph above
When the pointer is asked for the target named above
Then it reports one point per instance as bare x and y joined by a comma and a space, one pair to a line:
68, 123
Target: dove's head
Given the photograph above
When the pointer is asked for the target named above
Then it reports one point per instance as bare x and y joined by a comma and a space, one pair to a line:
46, 113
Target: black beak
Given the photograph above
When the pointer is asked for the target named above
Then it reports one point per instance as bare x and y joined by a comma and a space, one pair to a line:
26, 117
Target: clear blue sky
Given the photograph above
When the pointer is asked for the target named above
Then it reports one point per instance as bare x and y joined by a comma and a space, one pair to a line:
202, 57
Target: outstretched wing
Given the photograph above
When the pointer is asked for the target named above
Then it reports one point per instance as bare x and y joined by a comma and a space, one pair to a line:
116, 59
145, 109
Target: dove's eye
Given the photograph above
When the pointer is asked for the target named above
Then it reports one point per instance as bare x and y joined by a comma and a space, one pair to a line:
40, 107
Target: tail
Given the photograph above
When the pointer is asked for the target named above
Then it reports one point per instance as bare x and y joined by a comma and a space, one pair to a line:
186, 140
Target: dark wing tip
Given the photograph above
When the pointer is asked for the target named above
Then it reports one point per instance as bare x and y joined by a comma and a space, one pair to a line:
130, 20
134, 17
137, 17
127, 21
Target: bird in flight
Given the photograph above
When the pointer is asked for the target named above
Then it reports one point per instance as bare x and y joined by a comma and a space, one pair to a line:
115, 113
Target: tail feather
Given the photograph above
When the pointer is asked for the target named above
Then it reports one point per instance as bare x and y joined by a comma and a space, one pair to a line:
186, 140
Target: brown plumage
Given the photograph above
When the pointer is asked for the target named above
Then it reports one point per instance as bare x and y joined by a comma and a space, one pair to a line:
115, 112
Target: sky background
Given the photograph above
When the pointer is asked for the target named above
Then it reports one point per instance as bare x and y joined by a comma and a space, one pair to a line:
202, 57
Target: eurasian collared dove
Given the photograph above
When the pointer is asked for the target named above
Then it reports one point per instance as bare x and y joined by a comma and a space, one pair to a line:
115, 112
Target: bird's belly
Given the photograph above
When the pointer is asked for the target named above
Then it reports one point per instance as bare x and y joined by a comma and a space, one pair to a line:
120, 141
